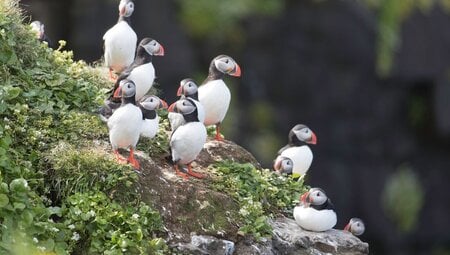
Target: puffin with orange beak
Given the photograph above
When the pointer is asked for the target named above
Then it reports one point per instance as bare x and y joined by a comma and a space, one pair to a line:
125, 124
150, 123
297, 151
187, 89
187, 141
120, 41
355, 226
315, 211
214, 94
142, 71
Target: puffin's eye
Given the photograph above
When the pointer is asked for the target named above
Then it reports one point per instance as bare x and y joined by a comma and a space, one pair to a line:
318, 194
226, 61
154, 44
357, 224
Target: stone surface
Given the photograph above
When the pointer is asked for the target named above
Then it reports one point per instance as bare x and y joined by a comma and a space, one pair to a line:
201, 244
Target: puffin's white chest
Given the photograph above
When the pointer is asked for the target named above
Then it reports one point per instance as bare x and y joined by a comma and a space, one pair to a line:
150, 127
124, 126
187, 141
143, 77
311, 219
301, 157
120, 46
215, 98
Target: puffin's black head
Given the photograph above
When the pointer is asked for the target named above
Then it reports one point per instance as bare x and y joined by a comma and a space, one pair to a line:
301, 133
39, 28
126, 89
355, 226
315, 196
150, 47
225, 65
187, 108
126, 8
283, 165
188, 88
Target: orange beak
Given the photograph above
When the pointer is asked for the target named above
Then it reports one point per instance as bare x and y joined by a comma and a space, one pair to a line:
172, 107
180, 91
163, 104
303, 197
313, 139
237, 71
118, 92
347, 227
161, 51
277, 165
122, 11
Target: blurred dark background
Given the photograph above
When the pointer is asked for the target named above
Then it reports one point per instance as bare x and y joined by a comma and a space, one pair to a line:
370, 77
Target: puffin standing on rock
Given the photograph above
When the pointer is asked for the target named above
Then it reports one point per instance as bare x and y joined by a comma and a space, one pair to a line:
355, 226
150, 124
316, 212
120, 40
187, 140
125, 123
299, 154
188, 88
214, 94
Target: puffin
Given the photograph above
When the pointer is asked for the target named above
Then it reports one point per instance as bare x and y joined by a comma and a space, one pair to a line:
187, 140
39, 28
315, 212
188, 88
214, 94
355, 226
120, 40
150, 123
125, 124
141, 71
297, 151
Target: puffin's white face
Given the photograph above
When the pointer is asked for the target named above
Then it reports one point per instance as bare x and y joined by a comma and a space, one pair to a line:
127, 88
38, 28
304, 134
126, 8
154, 48
315, 196
227, 65
153, 103
182, 106
283, 165
355, 226
187, 87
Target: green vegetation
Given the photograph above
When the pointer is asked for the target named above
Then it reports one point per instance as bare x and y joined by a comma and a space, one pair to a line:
58, 193
259, 193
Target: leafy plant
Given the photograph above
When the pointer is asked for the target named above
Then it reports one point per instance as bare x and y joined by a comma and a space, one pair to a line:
258, 192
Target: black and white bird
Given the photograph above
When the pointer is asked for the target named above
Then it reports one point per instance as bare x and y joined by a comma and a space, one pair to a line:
297, 151
355, 226
125, 124
150, 124
120, 40
214, 94
187, 140
142, 71
39, 28
315, 212
188, 88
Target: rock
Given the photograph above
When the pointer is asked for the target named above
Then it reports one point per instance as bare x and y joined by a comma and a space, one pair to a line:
289, 238
201, 244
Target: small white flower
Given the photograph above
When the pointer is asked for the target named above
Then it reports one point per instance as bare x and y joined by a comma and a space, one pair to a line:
135, 216
243, 212
77, 211
75, 236
71, 226
91, 213
35, 240
54, 229
41, 248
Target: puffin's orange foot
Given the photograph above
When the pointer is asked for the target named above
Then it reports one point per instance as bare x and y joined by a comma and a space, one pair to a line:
181, 174
196, 175
119, 158
219, 138
134, 163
